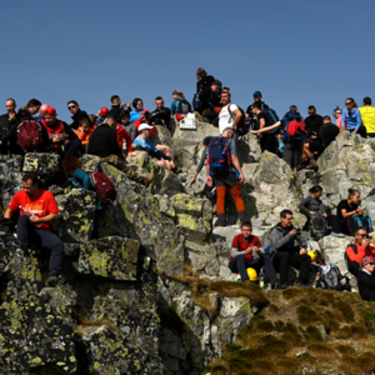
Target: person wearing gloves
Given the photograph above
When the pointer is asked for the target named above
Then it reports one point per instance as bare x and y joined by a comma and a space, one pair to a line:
247, 252
284, 253
313, 205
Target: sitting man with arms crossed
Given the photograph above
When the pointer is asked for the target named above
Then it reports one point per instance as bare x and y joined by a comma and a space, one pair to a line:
247, 252
38, 209
362, 247
284, 253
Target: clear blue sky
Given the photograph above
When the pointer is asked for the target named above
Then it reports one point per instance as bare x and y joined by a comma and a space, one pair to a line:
295, 52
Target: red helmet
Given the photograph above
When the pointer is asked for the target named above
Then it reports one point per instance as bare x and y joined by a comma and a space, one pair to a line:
104, 111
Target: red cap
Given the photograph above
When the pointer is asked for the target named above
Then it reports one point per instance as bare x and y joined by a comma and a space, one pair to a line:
50, 111
104, 111
179, 116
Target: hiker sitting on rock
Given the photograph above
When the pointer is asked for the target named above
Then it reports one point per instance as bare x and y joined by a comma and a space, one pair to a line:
247, 252
127, 125
361, 248
284, 253
64, 140
312, 205
103, 143
347, 209
366, 279
84, 132
143, 140
207, 189
38, 209
224, 171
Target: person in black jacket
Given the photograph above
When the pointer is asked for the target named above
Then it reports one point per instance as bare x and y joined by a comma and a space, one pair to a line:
77, 113
204, 80
366, 279
161, 115
211, 101
7, 121
103, 143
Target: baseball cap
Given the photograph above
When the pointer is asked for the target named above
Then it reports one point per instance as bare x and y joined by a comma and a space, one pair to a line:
367, 260
144, 126
257, 93
50, 111
103, 111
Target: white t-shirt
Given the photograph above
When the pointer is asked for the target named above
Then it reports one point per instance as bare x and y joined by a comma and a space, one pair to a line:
226, 119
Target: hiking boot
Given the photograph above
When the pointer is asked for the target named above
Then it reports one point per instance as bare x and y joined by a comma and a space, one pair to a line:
51, 281
149, 179
220, 222
301, 285
340, 235
282, 286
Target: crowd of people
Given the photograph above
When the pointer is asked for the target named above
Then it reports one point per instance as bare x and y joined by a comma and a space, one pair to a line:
115, 131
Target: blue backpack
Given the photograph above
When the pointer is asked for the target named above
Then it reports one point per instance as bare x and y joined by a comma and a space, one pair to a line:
272, 119
184, 107
363, 221
218, 153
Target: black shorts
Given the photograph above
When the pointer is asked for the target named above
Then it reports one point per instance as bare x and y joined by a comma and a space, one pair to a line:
224, 178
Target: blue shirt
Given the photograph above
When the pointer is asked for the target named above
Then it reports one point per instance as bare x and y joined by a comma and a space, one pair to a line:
135, 115
145, 143
353, 121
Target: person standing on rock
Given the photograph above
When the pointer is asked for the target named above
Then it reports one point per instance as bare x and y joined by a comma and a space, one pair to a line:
224, 171
103, 143
368, 116
230, 115
38, 209
362, 247
351, 118
284, 253
247, 252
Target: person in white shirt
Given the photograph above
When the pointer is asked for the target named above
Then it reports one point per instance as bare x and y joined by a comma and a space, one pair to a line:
230, 115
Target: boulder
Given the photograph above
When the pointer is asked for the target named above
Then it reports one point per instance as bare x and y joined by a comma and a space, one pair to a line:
203, 130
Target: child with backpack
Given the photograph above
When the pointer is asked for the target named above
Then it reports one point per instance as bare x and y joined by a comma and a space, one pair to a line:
318, 219
180, 105
224, 170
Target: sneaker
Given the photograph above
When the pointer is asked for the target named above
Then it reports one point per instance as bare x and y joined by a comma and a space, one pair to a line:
149, 179
51, 281
301, 285
340, 235
282, 286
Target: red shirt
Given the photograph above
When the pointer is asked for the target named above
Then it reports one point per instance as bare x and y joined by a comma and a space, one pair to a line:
241, 244
42, 205
362, 252
122, 134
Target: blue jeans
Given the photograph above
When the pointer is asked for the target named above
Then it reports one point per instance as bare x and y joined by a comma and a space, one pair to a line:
29, 235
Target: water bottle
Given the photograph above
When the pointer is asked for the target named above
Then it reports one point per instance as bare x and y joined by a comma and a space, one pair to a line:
261, 278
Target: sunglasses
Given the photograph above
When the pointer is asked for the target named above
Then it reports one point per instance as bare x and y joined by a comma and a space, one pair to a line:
348, 103
72, 106
362, 235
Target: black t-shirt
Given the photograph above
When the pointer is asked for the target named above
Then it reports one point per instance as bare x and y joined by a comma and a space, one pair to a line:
344, 205
327, 133
161, 117
313, 123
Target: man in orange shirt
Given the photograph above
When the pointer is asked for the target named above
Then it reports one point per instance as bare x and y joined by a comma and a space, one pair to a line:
38, 209
362, 247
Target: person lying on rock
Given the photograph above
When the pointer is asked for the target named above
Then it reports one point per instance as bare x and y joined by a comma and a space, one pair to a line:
225, 173
103, 143
362, 247
366, 279
38, 209
247, 252
207, 191
312, 205
284, 253
162, 159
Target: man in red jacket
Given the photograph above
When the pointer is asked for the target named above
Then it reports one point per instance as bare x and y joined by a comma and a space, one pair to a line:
362, 247
38, 209
247, 252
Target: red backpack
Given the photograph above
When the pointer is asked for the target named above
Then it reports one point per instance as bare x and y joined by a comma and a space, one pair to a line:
104, 187
30, 135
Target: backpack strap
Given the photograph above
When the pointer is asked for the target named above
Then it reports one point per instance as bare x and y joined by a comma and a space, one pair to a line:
354, 247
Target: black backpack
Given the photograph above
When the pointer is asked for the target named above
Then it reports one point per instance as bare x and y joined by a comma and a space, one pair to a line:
242, 127
331, 278
318, 227
184, 107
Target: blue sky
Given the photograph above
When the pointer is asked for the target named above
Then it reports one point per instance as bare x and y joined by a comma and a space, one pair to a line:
295, 52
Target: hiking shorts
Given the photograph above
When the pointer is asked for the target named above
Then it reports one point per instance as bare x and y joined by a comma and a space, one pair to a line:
292, 154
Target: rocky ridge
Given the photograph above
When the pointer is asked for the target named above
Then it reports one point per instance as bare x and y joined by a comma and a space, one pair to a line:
154, 294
